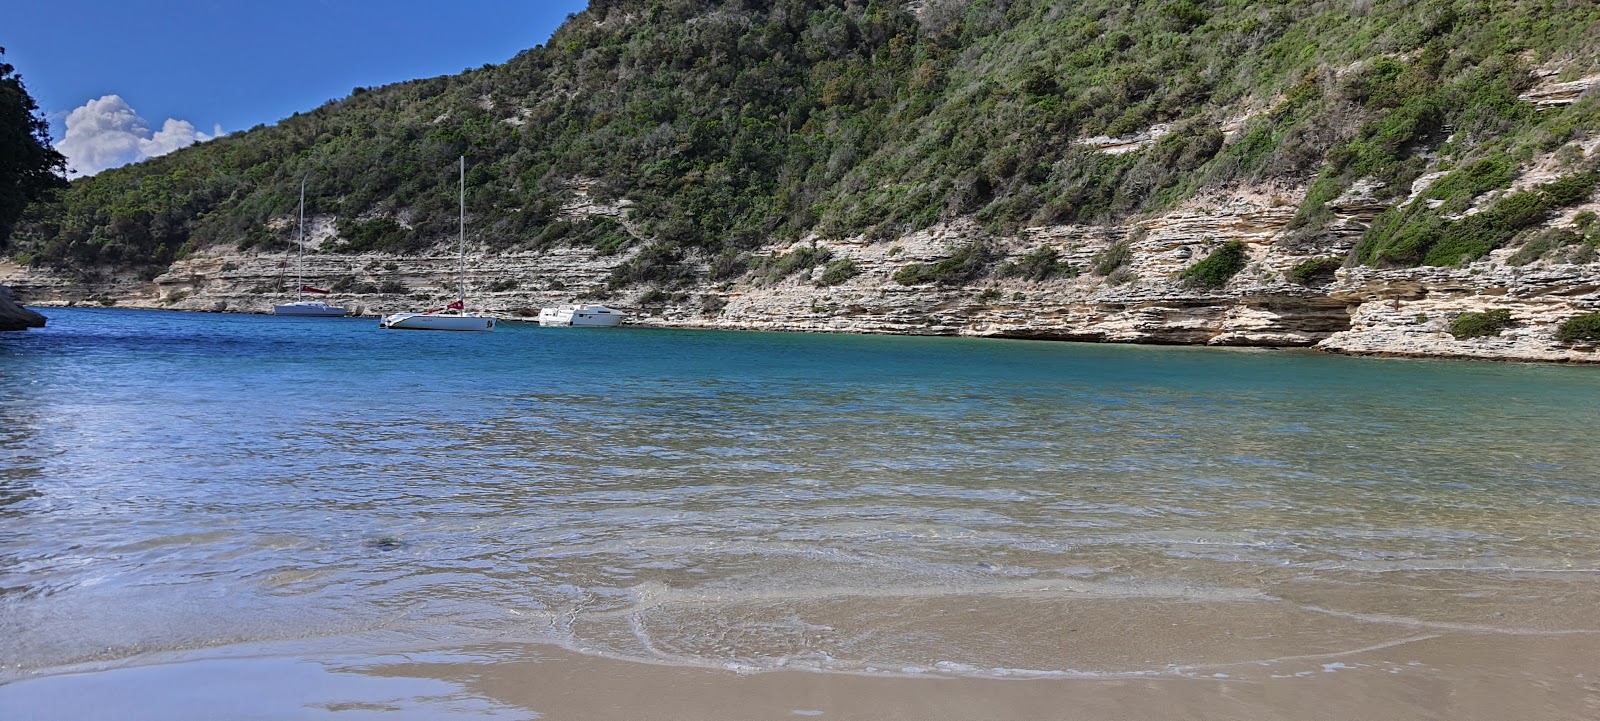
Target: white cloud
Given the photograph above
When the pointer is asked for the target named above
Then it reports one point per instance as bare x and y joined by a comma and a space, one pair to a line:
107, 133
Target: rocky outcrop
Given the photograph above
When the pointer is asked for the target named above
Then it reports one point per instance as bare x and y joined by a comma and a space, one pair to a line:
1409, 312
16, 317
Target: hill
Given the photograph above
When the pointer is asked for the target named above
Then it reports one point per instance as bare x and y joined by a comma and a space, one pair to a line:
698, 139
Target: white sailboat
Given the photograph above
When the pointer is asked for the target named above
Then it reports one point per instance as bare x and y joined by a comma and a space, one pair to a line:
453, 316
301, 306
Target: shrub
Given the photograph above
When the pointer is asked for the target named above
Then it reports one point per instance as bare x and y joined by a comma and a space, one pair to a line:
504, 285
1584, 327
730, 264
1540, 245
1110, 259
839, 271
1314, 270
1479, 325
391, 286
380, 234
969, 262
655, 296
777, 267
712, 304
1038, 264
1216, 269
657, 263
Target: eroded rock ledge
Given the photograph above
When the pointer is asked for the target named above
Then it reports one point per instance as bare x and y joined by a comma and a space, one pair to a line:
1405, 312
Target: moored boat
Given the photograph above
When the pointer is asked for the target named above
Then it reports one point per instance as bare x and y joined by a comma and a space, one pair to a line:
312, 308
594, 316
455, 315
438, 321
303, 307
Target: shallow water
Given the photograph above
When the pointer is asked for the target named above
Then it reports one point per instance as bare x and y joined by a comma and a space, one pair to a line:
171, 483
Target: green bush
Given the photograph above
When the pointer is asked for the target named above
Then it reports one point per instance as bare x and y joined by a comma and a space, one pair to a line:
729, 264
1479, 325
378, 234
1216, 269
1540, 245
660, 263
777, 267
391, 287
1584, 327
1315, 270
838, 271
968, 263
712, 304
1109, 260
1038, 264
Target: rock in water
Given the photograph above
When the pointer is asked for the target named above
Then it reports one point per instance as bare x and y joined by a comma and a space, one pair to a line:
16, 317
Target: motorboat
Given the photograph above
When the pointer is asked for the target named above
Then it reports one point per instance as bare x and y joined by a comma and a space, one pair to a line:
453, 316
301, 306
590, 316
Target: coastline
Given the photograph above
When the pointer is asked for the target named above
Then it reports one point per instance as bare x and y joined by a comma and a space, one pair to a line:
1586, 356
1397, 312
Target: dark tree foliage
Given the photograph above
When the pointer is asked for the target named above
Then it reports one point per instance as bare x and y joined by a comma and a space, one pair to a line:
29, 167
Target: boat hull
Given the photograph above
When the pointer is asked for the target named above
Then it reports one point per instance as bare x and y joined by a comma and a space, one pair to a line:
580, 316
469, 322
315, 310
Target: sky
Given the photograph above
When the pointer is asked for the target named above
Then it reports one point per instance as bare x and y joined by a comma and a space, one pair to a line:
124, 80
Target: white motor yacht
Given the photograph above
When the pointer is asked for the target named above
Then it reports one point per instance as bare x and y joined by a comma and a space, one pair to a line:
594, 316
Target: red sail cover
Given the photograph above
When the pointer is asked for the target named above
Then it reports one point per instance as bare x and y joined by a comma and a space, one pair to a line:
456, 306
309, 289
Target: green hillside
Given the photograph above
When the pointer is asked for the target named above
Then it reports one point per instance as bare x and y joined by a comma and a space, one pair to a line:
733, 124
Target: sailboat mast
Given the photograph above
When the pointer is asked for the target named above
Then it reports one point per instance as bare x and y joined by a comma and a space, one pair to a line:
300, 265
463, 234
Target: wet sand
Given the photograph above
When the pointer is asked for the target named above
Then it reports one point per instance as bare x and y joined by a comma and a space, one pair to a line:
1460, 677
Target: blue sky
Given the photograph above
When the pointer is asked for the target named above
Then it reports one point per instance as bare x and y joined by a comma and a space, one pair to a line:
237, 63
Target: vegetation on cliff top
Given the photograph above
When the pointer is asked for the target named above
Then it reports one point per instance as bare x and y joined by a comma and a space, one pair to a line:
731, 124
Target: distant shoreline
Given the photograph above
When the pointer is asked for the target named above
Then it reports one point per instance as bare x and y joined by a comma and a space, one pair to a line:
529, 320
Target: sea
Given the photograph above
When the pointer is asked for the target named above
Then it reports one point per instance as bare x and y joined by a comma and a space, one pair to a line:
174, 485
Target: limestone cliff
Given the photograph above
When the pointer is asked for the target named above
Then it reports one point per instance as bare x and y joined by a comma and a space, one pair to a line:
1404, 312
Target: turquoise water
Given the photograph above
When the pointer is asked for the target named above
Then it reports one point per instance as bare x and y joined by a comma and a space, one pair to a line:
175, 482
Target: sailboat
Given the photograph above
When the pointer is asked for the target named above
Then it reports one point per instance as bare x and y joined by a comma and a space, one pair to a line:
301, 306
453, 316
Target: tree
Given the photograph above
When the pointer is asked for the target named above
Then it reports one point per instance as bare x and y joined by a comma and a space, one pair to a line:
29, 167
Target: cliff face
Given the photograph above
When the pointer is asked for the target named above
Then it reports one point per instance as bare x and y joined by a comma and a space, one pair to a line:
1404, 312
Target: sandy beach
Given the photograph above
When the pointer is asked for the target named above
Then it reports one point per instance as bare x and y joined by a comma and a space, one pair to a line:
1461, 678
